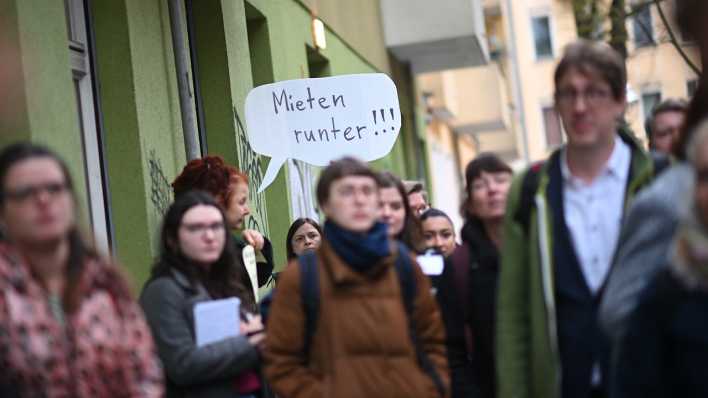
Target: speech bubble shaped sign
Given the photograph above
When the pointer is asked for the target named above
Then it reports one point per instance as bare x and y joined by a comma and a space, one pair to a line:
323, 119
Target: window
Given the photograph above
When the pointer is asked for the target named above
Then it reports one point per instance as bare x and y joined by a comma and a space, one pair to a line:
81, 69
643, 29
543, 44
649, 102
552, 125
691, 87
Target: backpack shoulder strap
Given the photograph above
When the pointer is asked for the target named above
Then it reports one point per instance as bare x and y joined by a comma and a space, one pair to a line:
529, 186
406, 277
310, 295
404, 269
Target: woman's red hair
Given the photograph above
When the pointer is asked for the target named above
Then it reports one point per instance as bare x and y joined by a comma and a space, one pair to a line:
210, 174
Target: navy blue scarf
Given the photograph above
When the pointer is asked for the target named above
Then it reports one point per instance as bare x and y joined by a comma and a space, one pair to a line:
361, 251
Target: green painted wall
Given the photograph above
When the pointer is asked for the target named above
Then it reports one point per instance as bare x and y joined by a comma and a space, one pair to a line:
40, 90
238, 43
141, 122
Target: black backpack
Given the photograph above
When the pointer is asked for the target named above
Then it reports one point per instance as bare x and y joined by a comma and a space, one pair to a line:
310, 295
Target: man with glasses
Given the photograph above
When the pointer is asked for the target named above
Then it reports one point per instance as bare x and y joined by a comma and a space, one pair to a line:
417, 197
561, 232
664, 124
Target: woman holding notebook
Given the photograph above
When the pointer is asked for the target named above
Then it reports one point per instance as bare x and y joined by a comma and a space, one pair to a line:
198, 265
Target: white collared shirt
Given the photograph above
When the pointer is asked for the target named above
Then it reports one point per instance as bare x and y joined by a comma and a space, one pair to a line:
593, 213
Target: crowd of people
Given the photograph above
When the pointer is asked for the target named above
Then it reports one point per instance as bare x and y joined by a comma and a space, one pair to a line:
584, 275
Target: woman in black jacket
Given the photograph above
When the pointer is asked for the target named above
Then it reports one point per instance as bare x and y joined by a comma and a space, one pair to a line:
475, 267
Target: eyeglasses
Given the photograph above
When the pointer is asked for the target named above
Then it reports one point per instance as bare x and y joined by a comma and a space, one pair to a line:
23, 194
199, 228
592, 96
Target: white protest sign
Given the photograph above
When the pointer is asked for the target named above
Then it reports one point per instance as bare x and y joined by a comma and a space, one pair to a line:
249, 260
323, 119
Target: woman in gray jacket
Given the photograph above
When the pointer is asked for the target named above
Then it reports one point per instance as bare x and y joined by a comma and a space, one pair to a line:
197, 265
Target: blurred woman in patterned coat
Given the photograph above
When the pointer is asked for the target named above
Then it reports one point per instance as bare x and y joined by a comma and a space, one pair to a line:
68, 324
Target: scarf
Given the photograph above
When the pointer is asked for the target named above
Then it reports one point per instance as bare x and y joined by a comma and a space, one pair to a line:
360, 251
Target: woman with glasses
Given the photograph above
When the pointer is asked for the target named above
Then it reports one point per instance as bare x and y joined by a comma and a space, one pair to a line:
197, 265
229, 187
68, 324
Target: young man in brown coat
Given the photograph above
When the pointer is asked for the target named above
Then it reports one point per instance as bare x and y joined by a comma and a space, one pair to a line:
363, 341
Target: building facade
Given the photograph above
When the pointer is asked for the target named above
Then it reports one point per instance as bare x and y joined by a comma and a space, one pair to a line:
506, 105
128, 90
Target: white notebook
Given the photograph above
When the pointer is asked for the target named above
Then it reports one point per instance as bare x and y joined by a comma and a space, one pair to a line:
216, 320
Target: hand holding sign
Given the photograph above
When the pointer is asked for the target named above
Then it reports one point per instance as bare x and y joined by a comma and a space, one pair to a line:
320, 120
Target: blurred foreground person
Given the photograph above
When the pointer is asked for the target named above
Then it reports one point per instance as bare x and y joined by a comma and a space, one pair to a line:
230, 189
560, 236
197, 265
68, 324
651, 221
356, 317
397, 214
664, 350
304, 234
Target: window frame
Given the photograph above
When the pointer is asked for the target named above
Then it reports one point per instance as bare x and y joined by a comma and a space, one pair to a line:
637, 28
543, 13
548, 105
80, 43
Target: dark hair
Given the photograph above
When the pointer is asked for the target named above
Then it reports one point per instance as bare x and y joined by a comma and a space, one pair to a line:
486, 162
594, 57
344, 167
668, 105
432, 212
222, 279
79, 251
210, 174
691, 16
411, 233
291, 232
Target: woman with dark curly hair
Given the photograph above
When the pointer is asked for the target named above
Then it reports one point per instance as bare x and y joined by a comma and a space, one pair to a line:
229, 187
197, 264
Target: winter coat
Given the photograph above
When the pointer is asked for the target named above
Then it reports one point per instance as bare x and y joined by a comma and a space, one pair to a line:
452, 308
483, 273
192, 371
102, 349
528, 352
665, 348
362, 345
643, 246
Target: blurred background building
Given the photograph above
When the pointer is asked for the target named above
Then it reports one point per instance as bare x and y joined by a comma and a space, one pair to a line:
506, 104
